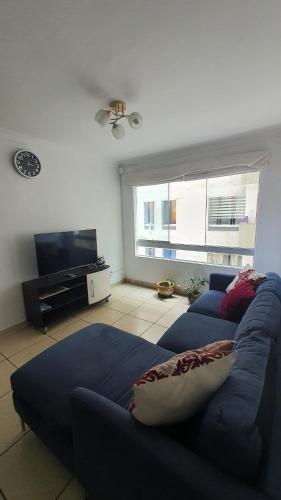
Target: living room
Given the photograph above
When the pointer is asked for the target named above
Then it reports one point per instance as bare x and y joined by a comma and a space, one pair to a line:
139, 147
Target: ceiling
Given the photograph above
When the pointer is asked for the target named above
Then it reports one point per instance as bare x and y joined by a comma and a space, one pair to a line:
197, 70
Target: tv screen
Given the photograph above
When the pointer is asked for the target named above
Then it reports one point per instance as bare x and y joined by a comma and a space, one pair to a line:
58, 251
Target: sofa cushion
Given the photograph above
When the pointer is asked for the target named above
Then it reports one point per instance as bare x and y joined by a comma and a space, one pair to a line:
229, 435
263, 314
178, 388
236, 302
247, 273
192, 330
272, 283
208, 303
99, 357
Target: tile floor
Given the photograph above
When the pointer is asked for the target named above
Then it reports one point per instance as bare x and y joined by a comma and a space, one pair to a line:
28, 471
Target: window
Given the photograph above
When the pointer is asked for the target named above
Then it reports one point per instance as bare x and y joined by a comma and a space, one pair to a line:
150, 252
169, 214
148, 214
211, 221
168, 253
226, 211
224, 259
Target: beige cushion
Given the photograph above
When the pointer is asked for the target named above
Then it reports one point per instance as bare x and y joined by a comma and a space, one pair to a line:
176, 389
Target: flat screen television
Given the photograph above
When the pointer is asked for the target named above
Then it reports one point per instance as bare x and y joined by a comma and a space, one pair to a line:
58, 251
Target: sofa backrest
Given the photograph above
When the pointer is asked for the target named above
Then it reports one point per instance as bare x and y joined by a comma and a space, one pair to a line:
263, 314
230, 434
271, 284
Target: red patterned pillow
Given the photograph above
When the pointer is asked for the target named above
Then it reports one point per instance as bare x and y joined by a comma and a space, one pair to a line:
247, 273
175, 390
235, 303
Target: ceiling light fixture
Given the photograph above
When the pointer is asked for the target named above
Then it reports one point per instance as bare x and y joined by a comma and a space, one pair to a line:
116, 112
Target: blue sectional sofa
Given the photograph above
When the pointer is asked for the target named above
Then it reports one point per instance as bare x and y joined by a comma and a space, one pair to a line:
75, 396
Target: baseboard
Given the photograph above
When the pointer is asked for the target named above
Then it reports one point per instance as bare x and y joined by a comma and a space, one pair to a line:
148, 284
112, 285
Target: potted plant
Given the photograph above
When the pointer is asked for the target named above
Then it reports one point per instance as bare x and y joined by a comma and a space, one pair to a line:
165, 288
193, 288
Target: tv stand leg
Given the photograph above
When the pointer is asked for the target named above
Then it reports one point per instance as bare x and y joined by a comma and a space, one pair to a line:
22, 423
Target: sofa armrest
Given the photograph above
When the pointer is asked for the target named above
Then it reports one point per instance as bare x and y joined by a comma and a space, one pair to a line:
219, 281
117, 457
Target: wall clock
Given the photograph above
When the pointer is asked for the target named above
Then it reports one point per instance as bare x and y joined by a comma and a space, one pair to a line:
27, 164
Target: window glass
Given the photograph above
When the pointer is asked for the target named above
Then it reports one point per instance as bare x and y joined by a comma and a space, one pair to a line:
190, 200
148, 212
213, 213
231, 210
169, 214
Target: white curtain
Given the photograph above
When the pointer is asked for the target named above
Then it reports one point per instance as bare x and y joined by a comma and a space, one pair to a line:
148, 171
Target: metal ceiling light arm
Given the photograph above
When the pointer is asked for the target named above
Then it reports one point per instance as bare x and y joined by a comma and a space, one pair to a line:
115, 113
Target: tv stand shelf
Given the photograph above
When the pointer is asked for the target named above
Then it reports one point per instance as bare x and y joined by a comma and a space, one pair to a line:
49, 295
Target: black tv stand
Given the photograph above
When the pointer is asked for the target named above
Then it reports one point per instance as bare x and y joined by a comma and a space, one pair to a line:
49, 296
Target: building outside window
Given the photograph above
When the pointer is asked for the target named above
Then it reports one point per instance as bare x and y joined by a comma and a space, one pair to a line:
169, 214
212, 220
226, 211
148, 214
150, 252
169, 253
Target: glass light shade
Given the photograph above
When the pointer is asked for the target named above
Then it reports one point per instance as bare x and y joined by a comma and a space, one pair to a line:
135, 120
102, 117
118, 131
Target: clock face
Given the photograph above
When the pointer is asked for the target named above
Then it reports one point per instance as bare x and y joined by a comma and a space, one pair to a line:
27, 164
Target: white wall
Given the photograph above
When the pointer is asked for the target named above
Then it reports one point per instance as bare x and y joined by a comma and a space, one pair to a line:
75, 190
268, 234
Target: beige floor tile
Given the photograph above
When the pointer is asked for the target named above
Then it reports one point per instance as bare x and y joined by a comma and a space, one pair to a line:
13, 329
169, 318
61, 323
115, 294
181, 306
67, 330
16, 342
23, 356
1, 496
1, 357
132, 325
154, 333
9, 423
126, 288
102, 315
28, 471
164, 303
142, 294
149, 312
6, 370
124, 304
84, 313
73, 491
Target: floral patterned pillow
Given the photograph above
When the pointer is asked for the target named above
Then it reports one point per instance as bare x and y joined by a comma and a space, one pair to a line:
246, 274
177, 389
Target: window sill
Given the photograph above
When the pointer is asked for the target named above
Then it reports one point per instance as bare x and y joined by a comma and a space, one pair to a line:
219, 266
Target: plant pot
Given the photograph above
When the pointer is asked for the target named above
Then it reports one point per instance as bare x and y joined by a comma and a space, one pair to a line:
192, 298
165, 291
